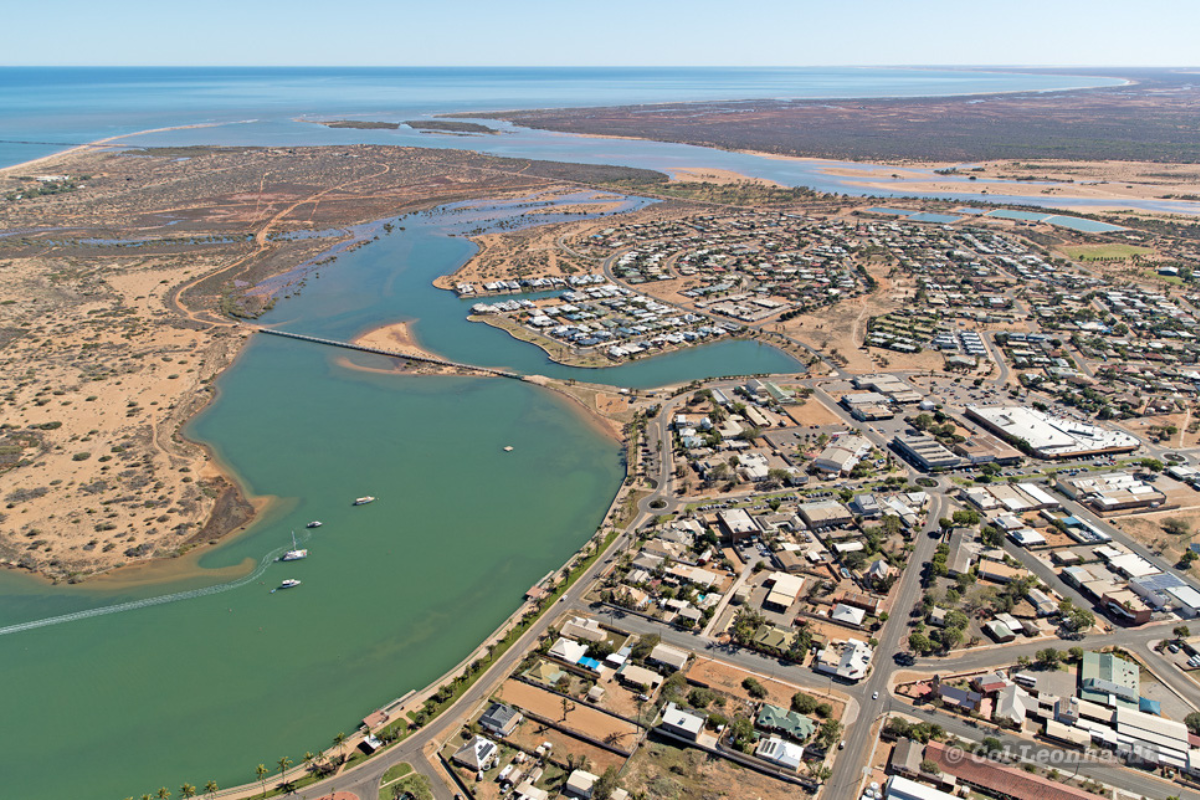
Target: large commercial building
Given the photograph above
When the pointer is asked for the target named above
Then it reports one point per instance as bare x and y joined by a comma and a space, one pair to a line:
1048, 436
843, 455
824, 514
925, 452
1114, 491
1109, 680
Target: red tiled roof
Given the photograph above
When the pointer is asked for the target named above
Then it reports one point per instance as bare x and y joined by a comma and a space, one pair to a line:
1009, 781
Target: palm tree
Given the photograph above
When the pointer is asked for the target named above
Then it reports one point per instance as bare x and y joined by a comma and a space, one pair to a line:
163, 793
261, 772
283, 763
187, 791
339, 740
308, 761
211, 789
146, 797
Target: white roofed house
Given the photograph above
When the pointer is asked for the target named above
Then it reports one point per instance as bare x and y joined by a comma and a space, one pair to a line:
879, 570
788, 755
584, 628
681, 723
784, 590
1012, 703
479, 754
568, 650
668, 656
848, 615
850, 659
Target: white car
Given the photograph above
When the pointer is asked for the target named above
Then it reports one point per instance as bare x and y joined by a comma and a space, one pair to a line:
875, 695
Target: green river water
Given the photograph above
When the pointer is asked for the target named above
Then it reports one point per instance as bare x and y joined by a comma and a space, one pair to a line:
394, 593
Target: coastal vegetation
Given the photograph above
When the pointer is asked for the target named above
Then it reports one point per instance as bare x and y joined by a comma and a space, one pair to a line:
359, 124
449, 126
1140, 122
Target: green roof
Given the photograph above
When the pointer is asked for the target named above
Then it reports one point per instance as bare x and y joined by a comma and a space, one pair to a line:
791, 724
1109, 679
777, 638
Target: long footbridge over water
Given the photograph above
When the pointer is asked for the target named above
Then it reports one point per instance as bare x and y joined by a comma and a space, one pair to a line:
499, 373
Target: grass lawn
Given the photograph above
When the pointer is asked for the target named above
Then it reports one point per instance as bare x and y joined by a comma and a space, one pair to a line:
418, 785
396, 772
1101, 252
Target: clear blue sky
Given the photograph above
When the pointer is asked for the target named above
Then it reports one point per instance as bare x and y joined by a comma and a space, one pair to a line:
603, 32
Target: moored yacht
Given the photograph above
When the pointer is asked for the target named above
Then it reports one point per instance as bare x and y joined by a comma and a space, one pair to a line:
296, 553
362, 501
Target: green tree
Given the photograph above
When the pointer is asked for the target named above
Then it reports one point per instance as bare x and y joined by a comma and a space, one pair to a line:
830, 733
754, 688
741, 734
261, 771
606, 785
1048, 657
819, 771
1182, 631
283, 763
1192, 721
1175, 526
804, 703
163, 793
339, 741
920, 643
187, 791
211, 789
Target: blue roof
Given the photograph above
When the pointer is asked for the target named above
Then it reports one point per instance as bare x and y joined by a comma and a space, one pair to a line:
1149, 706
1159, 583
590, 663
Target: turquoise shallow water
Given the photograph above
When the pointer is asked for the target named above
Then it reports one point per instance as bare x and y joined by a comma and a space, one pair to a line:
393, 593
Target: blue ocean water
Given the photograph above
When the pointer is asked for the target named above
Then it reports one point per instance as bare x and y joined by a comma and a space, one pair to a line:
41, 108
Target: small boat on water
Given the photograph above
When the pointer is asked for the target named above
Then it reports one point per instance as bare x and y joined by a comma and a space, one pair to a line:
316, 523
508, 449
296, 553
362, 501
289, 583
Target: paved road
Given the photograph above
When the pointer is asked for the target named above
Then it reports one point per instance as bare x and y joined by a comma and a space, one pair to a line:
847, 773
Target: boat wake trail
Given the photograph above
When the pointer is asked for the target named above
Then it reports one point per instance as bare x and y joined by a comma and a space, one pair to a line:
149, 601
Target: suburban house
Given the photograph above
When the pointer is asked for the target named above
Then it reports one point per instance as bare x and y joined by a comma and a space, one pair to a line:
782, 753
681, 723
478, 755
500, 719
668, 656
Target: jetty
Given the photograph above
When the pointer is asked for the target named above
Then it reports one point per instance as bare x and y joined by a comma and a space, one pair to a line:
499, 373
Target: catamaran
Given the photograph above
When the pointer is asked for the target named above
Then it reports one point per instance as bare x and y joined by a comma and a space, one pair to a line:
362, 501
295, 554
